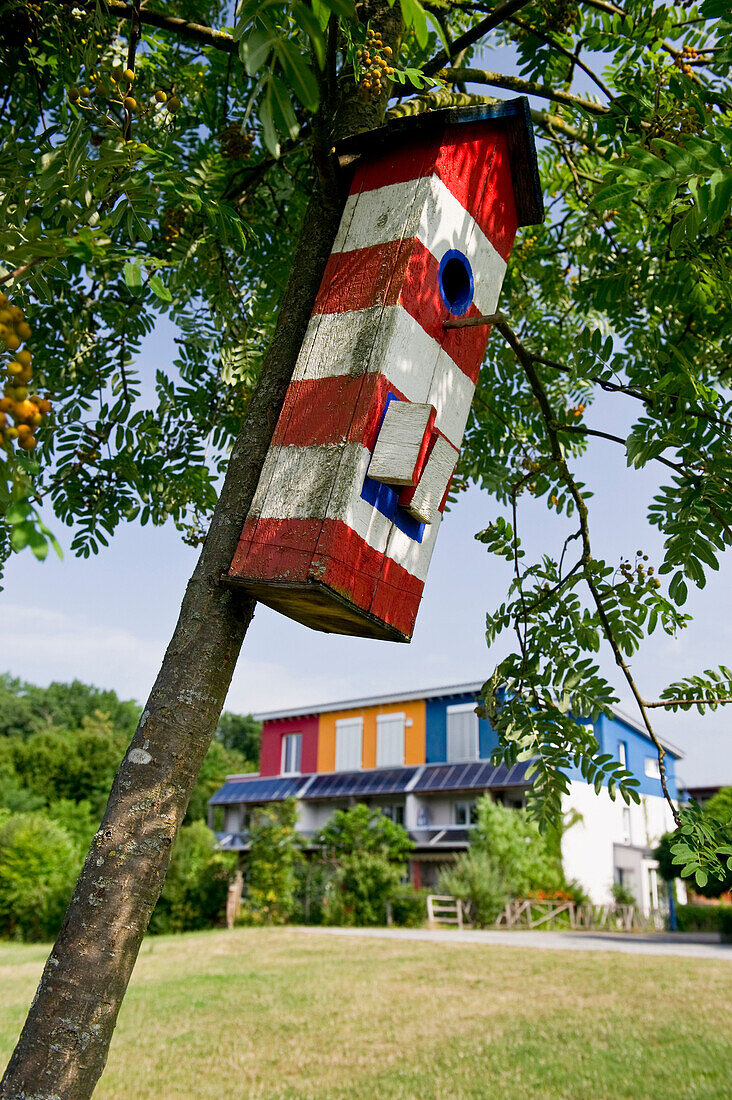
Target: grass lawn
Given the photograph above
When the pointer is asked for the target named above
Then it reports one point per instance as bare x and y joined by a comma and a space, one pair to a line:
276, 1013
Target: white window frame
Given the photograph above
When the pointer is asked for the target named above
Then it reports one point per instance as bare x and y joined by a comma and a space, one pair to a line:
462, 708
623, 754
345, 753
286, 741
384, 757
468, 805
651, 767
627, 826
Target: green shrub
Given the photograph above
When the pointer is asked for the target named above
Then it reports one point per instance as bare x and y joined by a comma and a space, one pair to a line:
409, 907
194, 895
478, 879
270, 870
703, 918
39, 864
508, 858
367, 852
725, 923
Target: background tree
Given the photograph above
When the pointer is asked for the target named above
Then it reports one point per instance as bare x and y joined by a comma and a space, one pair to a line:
508, 858
367, 853
241, 733
274, 853
171, 165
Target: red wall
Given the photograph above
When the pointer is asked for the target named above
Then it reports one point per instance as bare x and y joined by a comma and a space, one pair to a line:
272, 733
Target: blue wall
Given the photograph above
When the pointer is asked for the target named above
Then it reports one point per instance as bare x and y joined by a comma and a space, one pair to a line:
608, 731
436, 729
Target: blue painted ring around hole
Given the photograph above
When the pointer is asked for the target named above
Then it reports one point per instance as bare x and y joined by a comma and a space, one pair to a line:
455, 280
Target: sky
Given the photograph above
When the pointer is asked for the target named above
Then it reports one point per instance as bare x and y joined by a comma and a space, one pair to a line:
107, 620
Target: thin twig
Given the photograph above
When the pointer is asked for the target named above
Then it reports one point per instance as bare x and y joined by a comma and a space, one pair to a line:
471, 36
551, 426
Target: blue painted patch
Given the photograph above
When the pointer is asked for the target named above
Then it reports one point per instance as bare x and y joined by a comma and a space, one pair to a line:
385, 498
455, 280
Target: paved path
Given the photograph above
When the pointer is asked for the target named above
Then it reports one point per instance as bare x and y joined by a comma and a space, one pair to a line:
693, 946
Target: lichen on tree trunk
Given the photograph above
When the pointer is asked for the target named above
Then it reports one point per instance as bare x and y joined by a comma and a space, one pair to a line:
63, 1047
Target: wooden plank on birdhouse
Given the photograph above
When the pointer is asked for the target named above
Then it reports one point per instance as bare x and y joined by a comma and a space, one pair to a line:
424, 500
401, 443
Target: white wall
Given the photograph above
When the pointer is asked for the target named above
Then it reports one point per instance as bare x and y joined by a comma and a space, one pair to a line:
587, 846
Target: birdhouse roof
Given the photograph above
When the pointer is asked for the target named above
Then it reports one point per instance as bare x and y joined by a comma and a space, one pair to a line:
512, 114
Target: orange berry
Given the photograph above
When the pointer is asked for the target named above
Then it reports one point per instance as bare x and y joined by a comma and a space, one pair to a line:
28, 442
23, 330
24, 357
6, 404
12, 341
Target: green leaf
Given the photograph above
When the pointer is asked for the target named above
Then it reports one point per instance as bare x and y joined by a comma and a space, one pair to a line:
133, 275
283, 110
298, 74
266, 115
158, 287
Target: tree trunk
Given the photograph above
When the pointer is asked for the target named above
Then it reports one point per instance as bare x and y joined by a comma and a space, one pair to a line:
63, 1046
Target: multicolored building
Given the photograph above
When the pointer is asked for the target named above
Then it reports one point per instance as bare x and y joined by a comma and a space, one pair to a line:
424, 758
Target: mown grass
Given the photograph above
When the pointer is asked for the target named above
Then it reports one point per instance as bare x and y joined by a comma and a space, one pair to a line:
275, 1013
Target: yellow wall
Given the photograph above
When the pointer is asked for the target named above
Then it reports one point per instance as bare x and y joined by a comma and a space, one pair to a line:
414, 735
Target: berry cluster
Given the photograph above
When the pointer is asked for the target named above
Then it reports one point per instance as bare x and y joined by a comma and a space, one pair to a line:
25, 410
116, 87
373, 65
638, 573
236, 144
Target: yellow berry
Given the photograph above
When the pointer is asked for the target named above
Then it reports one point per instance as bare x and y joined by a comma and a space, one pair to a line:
161, 96
128, 75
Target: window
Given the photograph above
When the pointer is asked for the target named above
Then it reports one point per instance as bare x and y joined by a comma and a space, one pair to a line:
349, 744
465, 813
652, 769
623, 753
395, 813
627, 832
462, 733
291, 749
390, 740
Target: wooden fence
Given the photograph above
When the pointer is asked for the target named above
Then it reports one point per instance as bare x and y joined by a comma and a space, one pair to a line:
444, 909
530, 913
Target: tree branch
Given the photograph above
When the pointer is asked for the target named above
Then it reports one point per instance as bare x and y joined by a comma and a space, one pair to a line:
567, 53
711, 702
197, 32
471, 36
527, 87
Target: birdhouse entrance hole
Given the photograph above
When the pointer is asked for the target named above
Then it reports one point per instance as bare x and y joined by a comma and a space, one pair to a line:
456, 281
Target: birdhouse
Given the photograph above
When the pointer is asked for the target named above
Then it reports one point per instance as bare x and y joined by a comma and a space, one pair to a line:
344, 520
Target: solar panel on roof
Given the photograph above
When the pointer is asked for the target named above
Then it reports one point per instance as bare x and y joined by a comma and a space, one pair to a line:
372, 781
481, 774
257, 790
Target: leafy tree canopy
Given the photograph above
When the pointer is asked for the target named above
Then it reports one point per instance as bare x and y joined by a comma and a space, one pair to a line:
156, 161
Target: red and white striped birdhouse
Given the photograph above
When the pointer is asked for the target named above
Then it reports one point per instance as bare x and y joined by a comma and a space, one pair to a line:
344, 520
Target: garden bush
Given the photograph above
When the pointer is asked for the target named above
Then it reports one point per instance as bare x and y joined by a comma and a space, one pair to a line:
39, 863
704, 918
194, 895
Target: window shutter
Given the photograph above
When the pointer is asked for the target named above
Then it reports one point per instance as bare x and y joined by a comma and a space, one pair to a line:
349, 741
390, 740
462, 734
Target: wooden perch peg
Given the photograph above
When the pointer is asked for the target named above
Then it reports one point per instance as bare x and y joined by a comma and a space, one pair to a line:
474, 322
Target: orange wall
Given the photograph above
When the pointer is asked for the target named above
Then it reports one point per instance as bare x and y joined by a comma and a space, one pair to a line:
414, 735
